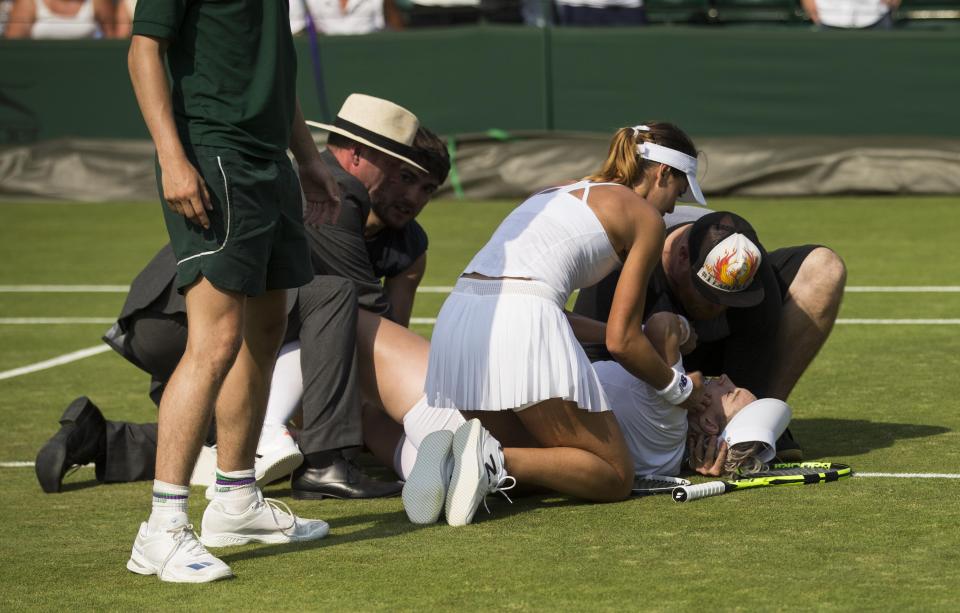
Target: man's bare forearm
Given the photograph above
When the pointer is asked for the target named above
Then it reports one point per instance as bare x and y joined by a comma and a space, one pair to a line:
149, 78
301, 142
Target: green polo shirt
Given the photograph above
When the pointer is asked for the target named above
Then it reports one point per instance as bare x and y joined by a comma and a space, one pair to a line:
233, 67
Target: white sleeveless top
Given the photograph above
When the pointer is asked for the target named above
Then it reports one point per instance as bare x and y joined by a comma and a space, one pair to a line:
52, 25
654, 429
551, 237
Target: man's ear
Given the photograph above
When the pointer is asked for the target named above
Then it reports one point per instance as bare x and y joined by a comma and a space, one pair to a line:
356, 153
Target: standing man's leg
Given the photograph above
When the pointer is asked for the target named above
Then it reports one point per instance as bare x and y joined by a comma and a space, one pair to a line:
214, 338
243, 397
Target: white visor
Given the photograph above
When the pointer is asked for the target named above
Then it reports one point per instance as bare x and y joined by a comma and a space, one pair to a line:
687, 164
762, 420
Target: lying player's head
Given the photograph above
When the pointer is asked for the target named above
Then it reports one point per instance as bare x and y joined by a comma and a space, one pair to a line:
748, 425
713, 265
726, 400
407, 190
657, 160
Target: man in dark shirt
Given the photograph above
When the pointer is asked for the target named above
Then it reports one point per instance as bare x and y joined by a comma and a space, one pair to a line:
222, 126
764, 346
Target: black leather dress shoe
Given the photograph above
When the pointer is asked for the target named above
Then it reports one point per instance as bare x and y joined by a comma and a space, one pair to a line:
341, 479
79, 441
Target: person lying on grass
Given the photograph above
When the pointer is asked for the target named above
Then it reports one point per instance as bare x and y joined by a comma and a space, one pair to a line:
661, 435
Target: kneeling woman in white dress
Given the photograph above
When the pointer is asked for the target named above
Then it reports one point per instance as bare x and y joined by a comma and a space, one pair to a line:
504, 350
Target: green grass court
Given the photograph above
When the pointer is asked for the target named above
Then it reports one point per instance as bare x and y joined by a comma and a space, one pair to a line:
879, 397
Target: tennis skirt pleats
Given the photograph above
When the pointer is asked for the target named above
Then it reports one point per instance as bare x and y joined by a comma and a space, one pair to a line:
506, 344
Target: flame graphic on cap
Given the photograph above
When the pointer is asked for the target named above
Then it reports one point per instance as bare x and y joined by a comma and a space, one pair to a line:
731, 265
733, 272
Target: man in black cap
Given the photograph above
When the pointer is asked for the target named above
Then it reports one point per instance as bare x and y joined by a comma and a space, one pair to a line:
760, 322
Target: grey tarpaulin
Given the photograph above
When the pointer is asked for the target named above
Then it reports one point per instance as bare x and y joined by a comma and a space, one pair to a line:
517, 164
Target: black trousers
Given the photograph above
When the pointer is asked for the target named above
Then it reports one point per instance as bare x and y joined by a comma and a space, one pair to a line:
323, 318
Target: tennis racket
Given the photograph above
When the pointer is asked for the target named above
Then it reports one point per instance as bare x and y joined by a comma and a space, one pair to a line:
801, 473
648, 485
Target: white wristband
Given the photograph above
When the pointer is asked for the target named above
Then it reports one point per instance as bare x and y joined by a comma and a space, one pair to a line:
684, 329
679, 389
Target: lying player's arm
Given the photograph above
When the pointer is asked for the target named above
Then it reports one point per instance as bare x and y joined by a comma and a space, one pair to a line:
401, 290
670, 334
706, 454
183, 187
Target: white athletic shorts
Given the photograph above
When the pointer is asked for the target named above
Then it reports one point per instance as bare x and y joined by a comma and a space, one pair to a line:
506, 344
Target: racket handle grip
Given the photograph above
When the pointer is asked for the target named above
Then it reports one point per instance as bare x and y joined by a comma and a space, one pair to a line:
700, 490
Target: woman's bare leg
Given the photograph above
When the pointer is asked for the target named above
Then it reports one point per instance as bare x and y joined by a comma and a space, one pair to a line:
393, 364
381, 435
583, 454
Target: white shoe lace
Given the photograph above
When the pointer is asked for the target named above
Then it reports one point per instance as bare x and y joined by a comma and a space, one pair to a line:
501, 489
184, 538
281, 508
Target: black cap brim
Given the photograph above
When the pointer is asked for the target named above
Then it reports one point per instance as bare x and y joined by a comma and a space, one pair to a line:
751, 296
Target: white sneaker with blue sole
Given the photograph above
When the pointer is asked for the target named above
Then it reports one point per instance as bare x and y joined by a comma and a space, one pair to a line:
174, 554
478, 470
265, 520
426, 489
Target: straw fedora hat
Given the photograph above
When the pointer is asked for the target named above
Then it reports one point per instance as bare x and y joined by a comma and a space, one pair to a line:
376, 123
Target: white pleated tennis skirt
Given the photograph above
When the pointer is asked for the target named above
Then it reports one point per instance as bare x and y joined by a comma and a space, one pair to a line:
506, 344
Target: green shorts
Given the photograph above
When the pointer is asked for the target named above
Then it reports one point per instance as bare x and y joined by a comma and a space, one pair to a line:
256, 240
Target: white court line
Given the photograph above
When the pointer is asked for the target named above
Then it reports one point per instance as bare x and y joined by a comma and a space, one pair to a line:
423, 321
901, 322
32, 321
429, 321
880, 322
916, 289
442, 289
57, 361
24, 464
64, 289
908, 475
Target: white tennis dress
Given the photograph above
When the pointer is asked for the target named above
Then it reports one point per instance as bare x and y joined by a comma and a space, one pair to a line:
506, 344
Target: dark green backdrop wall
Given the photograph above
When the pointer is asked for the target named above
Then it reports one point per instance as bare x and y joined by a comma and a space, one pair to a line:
712, 81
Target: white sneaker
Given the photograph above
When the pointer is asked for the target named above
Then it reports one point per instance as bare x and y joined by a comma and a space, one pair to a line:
174, 554
265, 521
426, 490
277, 456
478, 470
